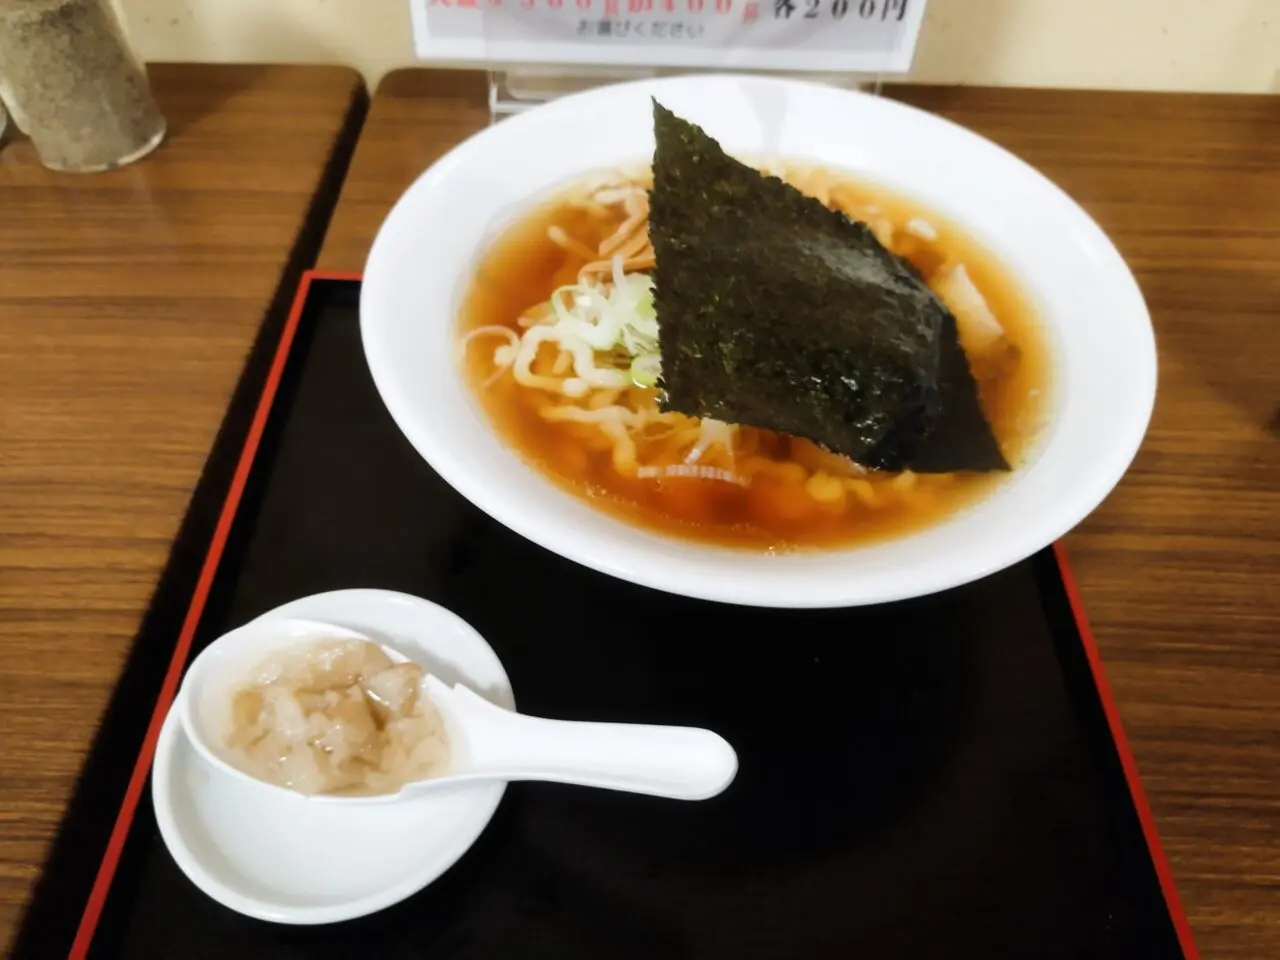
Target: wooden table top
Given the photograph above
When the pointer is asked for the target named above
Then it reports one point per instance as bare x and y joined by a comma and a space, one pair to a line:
1180, 568
128, 303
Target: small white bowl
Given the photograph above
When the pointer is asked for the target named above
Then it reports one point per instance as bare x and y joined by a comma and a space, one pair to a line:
284, 857
1104, 373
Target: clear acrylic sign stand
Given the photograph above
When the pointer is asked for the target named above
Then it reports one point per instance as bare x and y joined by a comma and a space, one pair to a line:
537, 50
519, 88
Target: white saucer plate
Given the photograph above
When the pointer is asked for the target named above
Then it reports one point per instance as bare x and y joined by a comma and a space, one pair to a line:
282, 857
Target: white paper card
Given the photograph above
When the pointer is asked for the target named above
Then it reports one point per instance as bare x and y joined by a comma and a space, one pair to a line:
855, 36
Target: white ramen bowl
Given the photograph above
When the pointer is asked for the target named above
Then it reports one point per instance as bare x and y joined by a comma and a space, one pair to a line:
1104, 361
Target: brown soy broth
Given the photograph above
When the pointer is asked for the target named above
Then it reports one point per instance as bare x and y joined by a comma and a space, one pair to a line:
524, 266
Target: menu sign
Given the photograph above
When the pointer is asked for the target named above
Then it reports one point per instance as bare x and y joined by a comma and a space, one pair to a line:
854, 36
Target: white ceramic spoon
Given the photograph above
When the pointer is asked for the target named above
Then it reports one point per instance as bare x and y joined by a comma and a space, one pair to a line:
486, 741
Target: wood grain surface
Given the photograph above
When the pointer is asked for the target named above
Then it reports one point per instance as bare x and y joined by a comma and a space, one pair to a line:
128, 303
1180, 568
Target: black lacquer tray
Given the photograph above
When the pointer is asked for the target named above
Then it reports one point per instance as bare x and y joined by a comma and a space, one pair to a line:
939, 778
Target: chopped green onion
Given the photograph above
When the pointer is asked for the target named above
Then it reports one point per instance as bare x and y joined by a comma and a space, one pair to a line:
645, 370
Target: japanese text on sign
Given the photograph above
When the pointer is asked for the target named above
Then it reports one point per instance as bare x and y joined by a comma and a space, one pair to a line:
858, 36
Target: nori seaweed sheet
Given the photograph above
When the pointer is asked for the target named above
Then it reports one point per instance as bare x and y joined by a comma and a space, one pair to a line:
776, 312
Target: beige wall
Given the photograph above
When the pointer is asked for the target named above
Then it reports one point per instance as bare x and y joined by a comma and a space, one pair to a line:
1205, 45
